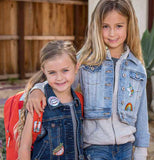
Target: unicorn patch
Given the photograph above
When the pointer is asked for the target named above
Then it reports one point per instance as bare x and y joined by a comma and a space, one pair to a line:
130, 90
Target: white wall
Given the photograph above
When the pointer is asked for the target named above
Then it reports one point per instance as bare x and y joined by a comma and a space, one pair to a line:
141, 9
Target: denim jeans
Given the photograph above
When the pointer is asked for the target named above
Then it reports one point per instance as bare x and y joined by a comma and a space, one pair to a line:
109, 152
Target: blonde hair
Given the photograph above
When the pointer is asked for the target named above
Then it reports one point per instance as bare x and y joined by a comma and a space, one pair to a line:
50, 50
93, 51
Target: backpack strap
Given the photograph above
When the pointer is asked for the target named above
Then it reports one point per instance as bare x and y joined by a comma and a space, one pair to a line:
80, 96
37, 121
11, 117
37, 125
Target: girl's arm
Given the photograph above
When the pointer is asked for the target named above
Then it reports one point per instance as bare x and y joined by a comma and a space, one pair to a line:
26, 139
36, 99
142, 136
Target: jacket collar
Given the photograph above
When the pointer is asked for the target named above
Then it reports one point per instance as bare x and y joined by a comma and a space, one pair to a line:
126, 55
132, 58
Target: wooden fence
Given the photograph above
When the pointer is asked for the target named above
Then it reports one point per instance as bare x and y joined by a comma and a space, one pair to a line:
26, 25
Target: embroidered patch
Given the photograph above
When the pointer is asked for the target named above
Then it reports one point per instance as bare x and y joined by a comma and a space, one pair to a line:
129, 107
130, 90
59, 150
37, 126
53, 101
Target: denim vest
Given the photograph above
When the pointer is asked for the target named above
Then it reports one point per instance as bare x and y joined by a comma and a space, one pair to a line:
56, 140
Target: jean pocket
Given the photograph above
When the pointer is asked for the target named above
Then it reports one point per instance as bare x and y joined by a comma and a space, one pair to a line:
91, 75
137, 76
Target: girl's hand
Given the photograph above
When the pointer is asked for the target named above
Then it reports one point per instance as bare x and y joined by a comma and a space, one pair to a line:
36, 101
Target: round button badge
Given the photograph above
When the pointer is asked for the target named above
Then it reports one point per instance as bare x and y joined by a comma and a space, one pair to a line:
53, 101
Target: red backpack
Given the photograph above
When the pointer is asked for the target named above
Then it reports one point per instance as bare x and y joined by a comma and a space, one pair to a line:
12, 109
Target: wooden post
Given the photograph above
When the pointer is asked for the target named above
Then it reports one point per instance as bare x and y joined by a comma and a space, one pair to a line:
151, 14
21, 56
80, 24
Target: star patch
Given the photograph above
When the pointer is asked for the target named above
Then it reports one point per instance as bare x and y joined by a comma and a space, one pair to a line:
53, 101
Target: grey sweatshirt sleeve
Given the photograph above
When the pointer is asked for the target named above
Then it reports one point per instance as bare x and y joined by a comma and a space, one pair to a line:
39, 86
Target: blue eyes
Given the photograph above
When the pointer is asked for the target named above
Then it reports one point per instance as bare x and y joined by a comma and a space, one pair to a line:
65, 70
119, 26
106, 26
53, 72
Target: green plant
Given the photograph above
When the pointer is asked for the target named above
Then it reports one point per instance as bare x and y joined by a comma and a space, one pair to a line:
2, 138
147, 43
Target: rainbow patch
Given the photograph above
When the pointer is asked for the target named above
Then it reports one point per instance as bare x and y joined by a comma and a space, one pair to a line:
129, 107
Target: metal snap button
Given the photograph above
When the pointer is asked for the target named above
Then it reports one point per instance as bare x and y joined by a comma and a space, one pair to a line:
124, 75
122, 102
92, 68
108, 71
52, 125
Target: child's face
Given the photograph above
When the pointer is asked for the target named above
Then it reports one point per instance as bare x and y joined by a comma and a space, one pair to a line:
60, 72
114, 31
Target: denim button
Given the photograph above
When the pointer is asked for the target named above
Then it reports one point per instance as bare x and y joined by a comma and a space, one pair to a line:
106, 113
81, 157
122, 102
123, 88
106, 97
92, 68
137, 76
108, 71
52, 125
124, 75
126, 63
76, 105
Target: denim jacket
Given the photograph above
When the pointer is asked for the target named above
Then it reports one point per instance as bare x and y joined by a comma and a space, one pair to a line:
56, 140
97, 85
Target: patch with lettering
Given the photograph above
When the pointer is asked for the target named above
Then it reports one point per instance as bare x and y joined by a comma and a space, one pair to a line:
53, 101
59, 150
